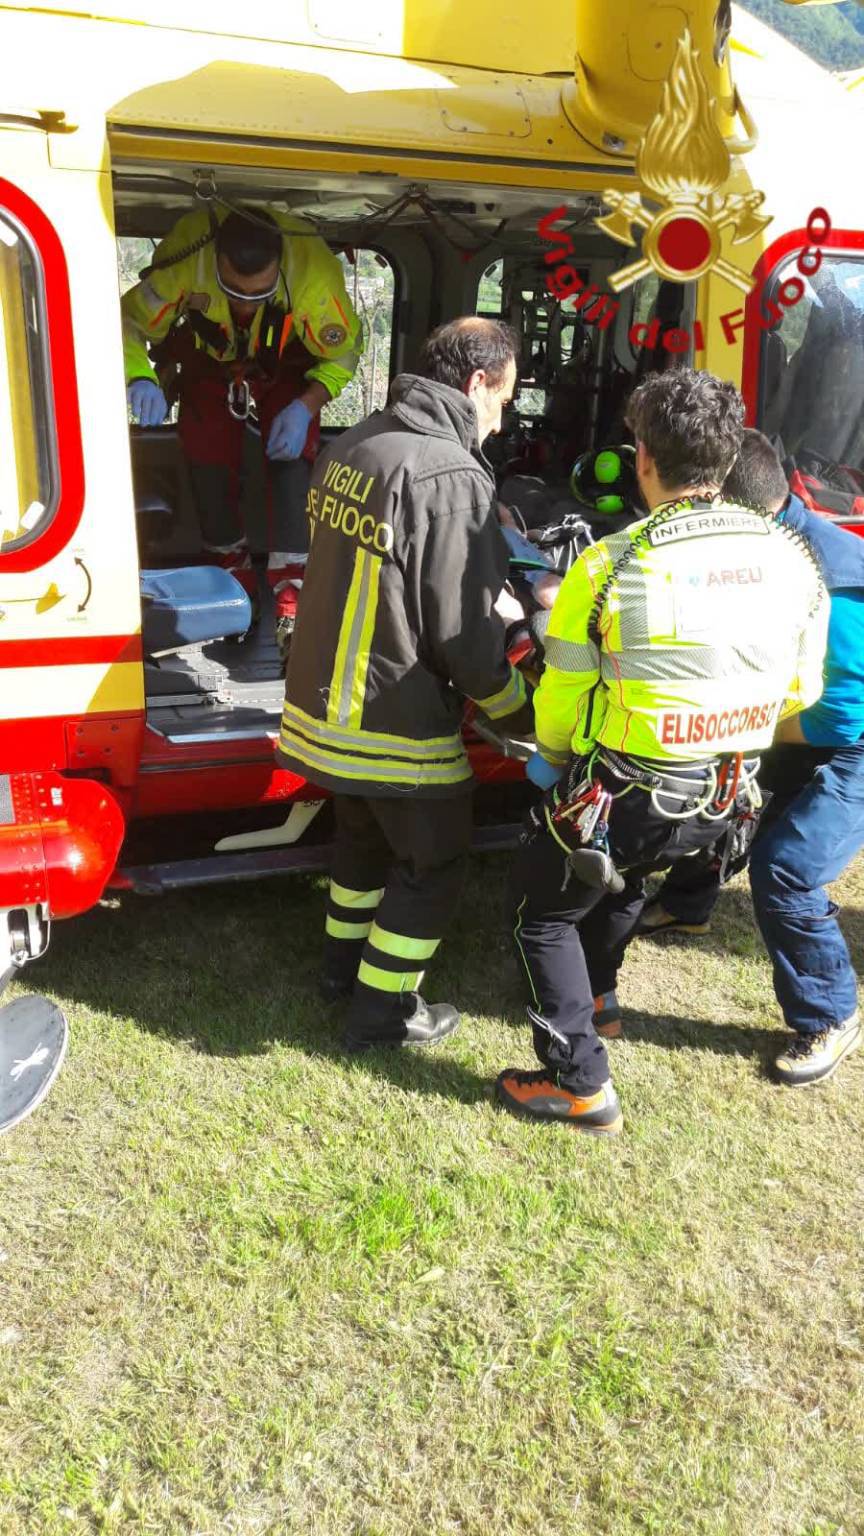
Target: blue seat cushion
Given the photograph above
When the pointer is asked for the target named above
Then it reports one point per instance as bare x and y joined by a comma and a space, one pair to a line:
191, 605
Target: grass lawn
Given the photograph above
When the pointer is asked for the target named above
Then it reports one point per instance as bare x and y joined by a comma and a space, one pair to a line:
249, 1287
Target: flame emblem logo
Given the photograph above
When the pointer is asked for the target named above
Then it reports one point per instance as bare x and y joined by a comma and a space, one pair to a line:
682, 162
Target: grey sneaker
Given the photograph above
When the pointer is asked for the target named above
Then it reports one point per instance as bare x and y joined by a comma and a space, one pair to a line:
813, 1058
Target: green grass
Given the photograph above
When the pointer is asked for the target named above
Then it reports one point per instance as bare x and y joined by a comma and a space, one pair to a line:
248, 1286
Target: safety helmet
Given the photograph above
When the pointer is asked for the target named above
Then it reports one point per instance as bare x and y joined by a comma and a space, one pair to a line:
604, 479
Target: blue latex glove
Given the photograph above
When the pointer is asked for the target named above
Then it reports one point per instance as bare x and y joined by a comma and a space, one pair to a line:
541, 772
288, 433
147, 402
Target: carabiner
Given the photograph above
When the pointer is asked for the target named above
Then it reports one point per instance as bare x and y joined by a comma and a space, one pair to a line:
205, 186
239, 399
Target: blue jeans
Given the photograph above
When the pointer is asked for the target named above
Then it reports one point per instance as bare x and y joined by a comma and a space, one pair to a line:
812, 829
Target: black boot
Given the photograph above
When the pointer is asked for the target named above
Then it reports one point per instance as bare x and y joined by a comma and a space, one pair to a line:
334, 989
421, 1023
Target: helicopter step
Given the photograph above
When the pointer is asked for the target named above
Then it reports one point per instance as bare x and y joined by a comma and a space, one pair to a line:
33, 1039
33, 1031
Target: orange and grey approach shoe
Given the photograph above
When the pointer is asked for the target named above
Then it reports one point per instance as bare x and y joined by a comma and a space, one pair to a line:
607, 1016
655, 919
536, 1096
813, 1058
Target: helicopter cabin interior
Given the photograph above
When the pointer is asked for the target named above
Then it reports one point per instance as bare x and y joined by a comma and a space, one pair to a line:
416, 254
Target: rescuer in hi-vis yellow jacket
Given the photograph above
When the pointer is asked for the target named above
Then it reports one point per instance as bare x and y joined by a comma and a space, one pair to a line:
673, 650
397, 626
243, 310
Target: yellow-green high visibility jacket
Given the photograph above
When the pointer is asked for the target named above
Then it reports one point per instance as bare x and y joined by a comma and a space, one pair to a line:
710, 630
312, 290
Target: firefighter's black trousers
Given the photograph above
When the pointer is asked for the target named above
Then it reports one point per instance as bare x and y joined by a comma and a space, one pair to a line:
572, 938
396, 874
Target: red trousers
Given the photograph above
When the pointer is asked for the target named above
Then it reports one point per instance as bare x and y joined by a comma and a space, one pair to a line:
213, 445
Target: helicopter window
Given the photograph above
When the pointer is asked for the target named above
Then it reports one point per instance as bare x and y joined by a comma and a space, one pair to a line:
812, 366
29, 481
370, 284
489, 296
133, 253
644, 299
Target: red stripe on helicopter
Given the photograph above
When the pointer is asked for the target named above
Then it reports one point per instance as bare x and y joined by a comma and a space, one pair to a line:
796, 240
61, 350
82, 651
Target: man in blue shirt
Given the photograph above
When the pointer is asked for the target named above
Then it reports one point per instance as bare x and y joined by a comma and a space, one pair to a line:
814, 823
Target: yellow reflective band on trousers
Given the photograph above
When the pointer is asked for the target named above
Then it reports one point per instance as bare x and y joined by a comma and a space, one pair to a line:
360, 903
335, 928
400, 945
388, 981
348, 683
344, 896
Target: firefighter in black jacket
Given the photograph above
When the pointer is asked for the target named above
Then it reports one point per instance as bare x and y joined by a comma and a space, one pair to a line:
396, 625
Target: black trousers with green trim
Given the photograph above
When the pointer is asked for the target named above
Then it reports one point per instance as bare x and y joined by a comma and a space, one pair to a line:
396, 873
571, 938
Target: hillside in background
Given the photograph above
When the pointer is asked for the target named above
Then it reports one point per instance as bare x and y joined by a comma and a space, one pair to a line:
833, 35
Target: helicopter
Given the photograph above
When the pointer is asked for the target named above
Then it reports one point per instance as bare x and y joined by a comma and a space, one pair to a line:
694, 164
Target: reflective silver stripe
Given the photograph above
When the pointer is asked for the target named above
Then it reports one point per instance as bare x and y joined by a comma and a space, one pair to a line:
552, 754
671, 663
537, 1018
570, 655
631, 604
149, 297
437, 749
373, 770
506, 700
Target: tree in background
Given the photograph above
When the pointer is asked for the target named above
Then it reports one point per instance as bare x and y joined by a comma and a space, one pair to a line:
369, 281
133, 253
832, 35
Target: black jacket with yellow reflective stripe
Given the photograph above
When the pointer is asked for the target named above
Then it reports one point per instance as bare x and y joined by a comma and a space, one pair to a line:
396, 621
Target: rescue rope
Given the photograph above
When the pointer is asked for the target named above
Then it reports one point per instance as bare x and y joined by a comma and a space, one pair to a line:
206, 191
209, 198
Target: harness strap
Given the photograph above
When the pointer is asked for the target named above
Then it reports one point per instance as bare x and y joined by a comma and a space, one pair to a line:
630, 770
207, 331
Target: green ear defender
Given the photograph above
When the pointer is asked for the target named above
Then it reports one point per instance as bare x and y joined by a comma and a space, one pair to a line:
607, 466
605, 480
